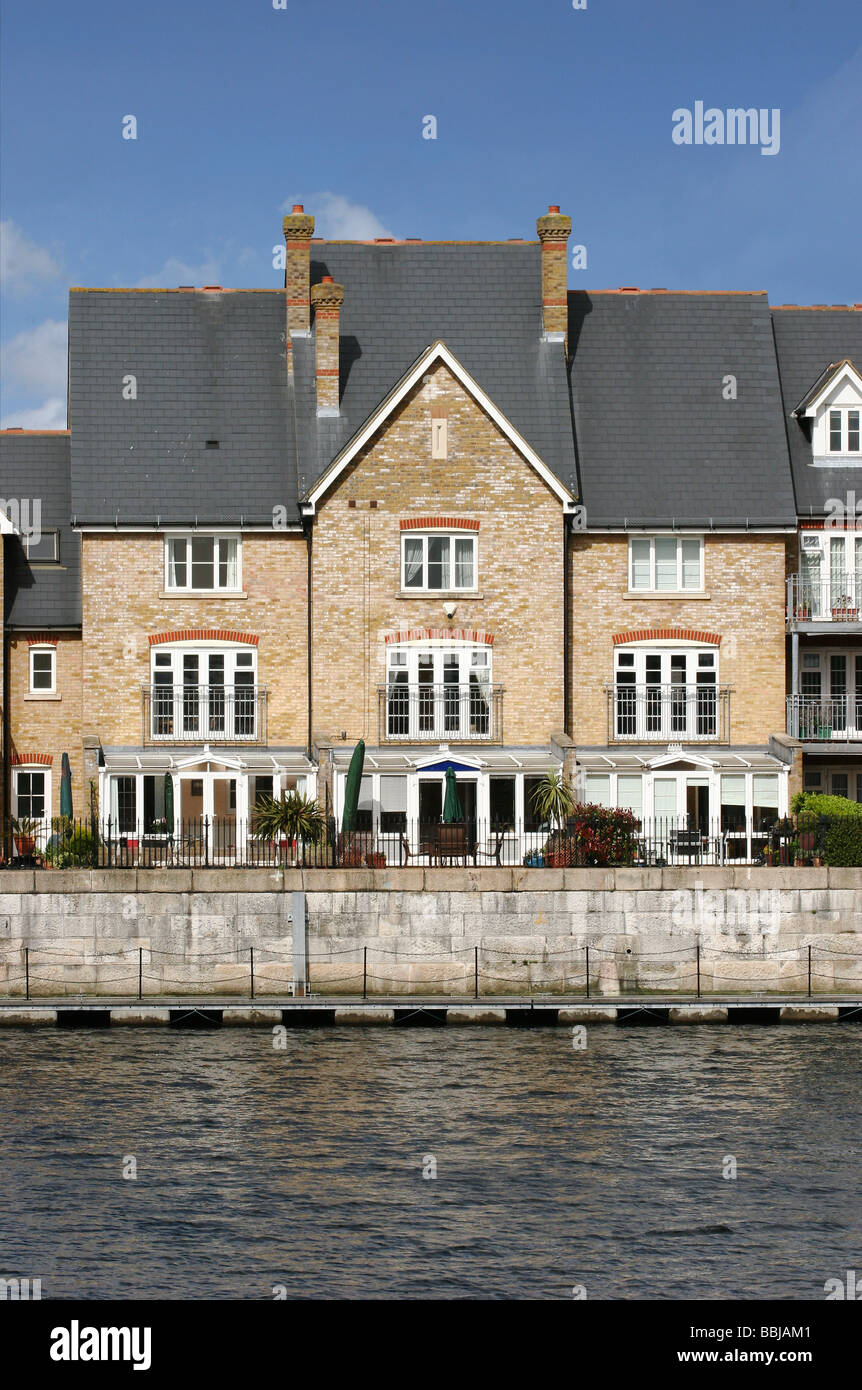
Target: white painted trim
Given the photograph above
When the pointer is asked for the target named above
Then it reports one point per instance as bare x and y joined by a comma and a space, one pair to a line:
436, 352
846, 370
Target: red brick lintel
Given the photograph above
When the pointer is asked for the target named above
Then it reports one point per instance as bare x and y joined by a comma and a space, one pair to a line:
25, 759
657, 634
441, 634
203, 634
427, 523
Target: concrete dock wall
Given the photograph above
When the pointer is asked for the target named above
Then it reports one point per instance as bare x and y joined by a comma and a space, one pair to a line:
426, 931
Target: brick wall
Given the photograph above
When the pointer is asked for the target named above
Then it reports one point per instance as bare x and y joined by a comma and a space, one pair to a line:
357, 556
123, 578
744, 581
49, 726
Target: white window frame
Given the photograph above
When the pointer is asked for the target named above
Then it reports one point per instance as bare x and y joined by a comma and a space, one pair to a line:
28, 768
652, 587
844, 448
41, 649
218, 538
452, 537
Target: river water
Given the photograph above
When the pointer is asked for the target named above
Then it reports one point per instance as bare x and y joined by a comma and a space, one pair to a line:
556, 1167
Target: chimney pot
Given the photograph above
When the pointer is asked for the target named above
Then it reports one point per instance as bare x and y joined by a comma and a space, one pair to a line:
554, 207
326, 279
297, 207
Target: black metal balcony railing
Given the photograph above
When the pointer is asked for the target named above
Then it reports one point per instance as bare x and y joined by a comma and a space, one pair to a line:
438, 713
668, 713
836, 599
211, 713
838, 718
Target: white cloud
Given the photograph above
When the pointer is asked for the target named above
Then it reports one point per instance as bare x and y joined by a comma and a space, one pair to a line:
337, 219
51, 415
176, 272
34, 365
23, 264
35, 360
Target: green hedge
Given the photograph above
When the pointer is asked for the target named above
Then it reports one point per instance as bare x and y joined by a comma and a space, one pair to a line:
842, 836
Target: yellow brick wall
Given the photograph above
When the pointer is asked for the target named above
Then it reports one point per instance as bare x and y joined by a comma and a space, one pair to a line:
49, 725
744, 581
357, 557
123, 577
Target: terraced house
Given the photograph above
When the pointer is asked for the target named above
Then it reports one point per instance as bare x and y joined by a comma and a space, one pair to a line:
425, 496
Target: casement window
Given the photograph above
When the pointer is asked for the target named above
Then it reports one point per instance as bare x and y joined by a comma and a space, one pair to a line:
844, 431
199, 693
43, 670
32, 793
666, 693
665, 564
435, 561
438, 692
43, 548
202, 564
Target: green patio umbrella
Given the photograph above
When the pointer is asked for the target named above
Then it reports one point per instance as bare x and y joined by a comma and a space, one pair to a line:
169, 803
66, 787
451, 806
352, 788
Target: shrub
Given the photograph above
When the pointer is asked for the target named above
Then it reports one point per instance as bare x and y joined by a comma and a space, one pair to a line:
75, 850
842, 843
595, 836
838, 820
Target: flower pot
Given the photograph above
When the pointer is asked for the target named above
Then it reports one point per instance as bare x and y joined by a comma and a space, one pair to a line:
352, 859
25, 845
375, 861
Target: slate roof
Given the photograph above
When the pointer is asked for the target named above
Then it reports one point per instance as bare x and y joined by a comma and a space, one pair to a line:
41, 596
483, 300
807, 341
209, 365
657, 444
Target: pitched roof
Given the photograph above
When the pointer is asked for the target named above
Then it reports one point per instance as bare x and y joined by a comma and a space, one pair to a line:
208, 366
657, 441
36, 465
807, 341
482, 300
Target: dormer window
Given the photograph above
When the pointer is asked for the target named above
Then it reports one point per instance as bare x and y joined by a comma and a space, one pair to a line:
844, 431
832, 410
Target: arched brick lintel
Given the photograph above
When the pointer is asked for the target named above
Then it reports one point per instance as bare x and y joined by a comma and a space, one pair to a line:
441, 634
203, 634
664, 634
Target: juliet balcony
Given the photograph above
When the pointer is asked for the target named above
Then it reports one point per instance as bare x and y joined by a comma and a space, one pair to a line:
835, 720
668, 713
815, 605
470, 713
204, 713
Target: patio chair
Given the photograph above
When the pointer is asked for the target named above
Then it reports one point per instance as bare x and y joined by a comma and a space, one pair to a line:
451, 842
495, 853
424, 851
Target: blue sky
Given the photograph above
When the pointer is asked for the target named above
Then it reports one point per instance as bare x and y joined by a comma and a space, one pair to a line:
243, 109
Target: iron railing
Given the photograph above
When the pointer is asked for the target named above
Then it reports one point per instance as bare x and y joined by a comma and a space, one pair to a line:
211, 713
668, 713
396, 842
834, 720
440, 713
836, 599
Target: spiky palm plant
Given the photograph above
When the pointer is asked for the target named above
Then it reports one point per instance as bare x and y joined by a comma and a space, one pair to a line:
291, 817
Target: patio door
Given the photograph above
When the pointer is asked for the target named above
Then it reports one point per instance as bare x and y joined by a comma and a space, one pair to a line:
438, 693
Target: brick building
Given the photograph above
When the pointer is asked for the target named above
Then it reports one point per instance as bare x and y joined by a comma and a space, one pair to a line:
425, 496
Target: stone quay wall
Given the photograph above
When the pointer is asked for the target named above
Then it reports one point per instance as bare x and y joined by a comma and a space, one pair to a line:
431, 931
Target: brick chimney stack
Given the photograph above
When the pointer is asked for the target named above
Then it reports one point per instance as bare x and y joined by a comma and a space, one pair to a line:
327, 299
553, 230
298, 231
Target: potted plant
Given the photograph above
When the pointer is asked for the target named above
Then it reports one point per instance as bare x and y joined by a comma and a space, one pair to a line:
377, 860
293, 817
844, 608
553, 801
24, 832
159, 826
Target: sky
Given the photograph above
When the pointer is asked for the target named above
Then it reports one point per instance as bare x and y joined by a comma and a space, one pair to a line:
243, 107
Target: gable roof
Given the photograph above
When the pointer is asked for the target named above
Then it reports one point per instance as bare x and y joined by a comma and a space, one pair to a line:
657, 442
437, 352
209, 365
35, 464
807, 341
483, 300
831, 374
